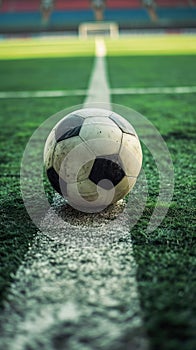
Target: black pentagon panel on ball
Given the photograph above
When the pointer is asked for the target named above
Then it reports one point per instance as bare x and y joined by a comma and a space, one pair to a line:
123, 124
68, 127
57, 183
107, 168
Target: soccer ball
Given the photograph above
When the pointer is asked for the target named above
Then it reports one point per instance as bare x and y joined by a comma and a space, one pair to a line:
92, 158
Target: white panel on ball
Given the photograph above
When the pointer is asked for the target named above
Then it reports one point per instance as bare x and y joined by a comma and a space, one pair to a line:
86, 194
93, 112
98, 120
49, 149
76, 163
62, 149
123, 187
103, 139
131, 155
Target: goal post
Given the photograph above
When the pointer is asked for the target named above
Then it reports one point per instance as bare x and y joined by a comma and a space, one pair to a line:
98, 28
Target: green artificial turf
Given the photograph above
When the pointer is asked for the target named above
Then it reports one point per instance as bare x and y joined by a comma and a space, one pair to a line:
150, 44
19, 119
45, 74
166, 257
45, 47
151, 71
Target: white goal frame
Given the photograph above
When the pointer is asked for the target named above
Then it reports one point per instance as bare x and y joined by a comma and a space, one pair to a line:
98, 29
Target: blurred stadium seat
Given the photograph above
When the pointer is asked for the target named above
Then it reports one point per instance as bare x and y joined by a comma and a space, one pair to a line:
22, 15
123, 4
173, 3
20, 5
72, 5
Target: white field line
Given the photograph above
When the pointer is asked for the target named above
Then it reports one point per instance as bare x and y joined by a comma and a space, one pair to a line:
83, 92
76, 288
98, 90
41, 93
154, 90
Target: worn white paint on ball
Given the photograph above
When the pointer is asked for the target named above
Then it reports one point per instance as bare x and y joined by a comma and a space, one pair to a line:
76, 288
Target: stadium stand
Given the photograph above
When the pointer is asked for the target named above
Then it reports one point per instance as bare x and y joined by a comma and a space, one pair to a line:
72, 5
22, 15
20, 6
123, 4
173, 3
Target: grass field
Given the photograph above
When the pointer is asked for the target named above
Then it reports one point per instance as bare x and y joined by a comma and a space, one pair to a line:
166, 257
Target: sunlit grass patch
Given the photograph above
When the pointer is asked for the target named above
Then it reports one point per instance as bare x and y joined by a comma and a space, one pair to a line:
152, 45
45, 48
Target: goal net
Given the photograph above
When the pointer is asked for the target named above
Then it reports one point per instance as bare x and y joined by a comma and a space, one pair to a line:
98, 29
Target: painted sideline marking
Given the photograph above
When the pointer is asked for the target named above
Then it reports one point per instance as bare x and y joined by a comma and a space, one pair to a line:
43, 93
98, 90
154, 90
83, 92
77, 284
